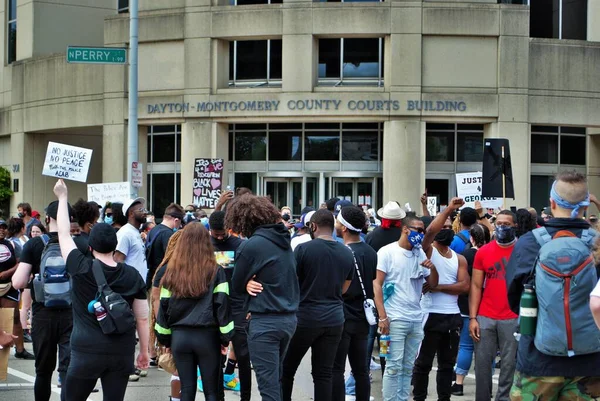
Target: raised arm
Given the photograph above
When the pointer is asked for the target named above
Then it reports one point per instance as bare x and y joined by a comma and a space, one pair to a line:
62, 219
438, 223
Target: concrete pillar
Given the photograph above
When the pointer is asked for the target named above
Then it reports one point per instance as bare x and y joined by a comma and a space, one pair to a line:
593, 13
520, 145
220, 64
114, 142
403, 161
299, 68
19, 142
593, 163
201, 139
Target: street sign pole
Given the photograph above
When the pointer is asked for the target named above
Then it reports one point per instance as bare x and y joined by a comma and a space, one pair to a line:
132, 127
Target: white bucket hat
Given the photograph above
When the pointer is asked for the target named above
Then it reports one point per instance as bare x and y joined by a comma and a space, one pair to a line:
391, 211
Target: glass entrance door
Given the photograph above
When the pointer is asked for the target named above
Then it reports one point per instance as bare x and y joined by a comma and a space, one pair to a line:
288, 192
359, 191
277, 191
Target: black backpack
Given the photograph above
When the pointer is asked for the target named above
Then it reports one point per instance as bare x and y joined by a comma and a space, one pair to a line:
119, 316
464, 239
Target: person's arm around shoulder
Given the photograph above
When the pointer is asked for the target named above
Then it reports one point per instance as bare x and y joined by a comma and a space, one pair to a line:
463, 281
63, 221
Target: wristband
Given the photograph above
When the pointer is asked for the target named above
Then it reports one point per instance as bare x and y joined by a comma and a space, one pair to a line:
383, 320
472, 318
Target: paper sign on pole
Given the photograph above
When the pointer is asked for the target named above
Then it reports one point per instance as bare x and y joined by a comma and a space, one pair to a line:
468, 187
108, 192
66, 161
208, 182
432, 205
137, 174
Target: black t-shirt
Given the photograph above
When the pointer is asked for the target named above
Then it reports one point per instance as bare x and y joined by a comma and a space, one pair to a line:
83, 244
8, 258
159, 275
87, 335
322, 267
158, 239
366, 258
463, 299
379, 237
225, 254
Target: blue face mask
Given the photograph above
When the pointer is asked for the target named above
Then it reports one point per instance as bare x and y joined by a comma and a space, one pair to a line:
415, 238
108, 220
505, 235
204, 221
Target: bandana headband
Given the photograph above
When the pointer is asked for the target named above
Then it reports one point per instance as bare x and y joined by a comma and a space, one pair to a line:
566, 204
349, 226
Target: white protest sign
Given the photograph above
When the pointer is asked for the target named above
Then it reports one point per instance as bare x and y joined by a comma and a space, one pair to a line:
66, 161
432, 205
136, 174
108, 192
468, 187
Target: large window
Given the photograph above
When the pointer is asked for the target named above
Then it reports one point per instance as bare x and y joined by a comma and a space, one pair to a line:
11, 34
255, 63
454, 142
351, 61
122, 6
558, 145
164, 157
309, 142
558, 19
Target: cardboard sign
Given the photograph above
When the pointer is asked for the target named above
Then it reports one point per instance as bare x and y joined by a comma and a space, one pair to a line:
468, 187
66, 161
496, 163
432, 205
6, 324
108, 192
137, 174
208, 181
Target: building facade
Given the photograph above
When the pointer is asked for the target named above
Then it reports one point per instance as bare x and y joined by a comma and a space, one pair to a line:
371, 101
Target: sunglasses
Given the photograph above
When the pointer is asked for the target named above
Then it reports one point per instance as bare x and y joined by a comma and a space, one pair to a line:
420, 230
108, 214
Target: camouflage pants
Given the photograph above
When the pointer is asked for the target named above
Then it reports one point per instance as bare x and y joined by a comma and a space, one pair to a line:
531, 388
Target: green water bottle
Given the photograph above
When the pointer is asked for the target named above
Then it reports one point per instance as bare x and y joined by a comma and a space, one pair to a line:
529, 311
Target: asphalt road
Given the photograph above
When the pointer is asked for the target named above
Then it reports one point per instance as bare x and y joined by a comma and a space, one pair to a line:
156, 386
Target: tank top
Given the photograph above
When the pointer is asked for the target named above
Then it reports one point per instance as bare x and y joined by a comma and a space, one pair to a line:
447, 269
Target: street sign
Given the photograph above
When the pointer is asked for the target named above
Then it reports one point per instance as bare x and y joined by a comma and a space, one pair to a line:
96, 55
137, 174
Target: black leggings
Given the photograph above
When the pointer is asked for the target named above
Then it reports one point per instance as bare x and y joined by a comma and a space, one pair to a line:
198, 348
85, 370
240, 346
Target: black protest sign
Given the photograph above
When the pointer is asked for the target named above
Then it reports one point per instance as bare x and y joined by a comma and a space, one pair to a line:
494, 165
208, 182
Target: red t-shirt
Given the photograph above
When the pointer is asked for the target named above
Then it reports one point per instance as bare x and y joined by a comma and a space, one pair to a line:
493, 259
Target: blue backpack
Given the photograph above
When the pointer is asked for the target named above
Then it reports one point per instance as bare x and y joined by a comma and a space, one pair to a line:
52, 286
565, 275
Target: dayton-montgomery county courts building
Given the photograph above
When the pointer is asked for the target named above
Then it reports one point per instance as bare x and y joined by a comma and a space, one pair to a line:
306, 100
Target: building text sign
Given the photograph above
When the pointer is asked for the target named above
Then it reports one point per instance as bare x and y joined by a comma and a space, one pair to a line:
208, 181
66, 161
307, 105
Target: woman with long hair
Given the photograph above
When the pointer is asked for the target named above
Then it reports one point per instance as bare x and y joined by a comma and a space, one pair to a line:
525, 222
194, 317
265, 268
479, 235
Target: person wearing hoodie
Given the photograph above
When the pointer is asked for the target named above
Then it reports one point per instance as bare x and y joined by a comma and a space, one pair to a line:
265, 269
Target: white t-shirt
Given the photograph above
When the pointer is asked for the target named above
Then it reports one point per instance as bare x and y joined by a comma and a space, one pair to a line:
596, 291
300, 239
131, 245
403, 269
447, 268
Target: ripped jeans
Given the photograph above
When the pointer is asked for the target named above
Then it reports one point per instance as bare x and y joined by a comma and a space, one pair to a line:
405, 339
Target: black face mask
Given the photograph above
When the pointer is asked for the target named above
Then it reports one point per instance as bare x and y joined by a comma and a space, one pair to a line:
445, 236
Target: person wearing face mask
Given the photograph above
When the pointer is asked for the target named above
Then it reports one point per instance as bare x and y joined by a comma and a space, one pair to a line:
402, 269
107, 214
491, 321
25, 213
86, 215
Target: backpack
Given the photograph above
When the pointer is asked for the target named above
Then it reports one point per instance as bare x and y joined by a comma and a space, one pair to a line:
119, 316
52, 286
565, 275
464, 239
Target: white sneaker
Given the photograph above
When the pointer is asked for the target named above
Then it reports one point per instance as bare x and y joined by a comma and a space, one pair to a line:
375, 365
350, 397
371, 398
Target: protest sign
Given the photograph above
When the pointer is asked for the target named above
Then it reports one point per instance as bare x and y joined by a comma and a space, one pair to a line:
108, 192
6, 324
468, 187
137, 174
432, 205
208, 181
66, 161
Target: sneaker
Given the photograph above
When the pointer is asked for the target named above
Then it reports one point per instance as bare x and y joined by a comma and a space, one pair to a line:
27, 337
142, 373
375, 365
59, 385
200, 386
154, 362
457, 389
135, 376
350, 397
371, 398
230, 382
24, 355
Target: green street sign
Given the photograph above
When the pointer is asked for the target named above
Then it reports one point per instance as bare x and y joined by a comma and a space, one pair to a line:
96, 55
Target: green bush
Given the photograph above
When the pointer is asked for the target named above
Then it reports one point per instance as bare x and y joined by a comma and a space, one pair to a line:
5, 191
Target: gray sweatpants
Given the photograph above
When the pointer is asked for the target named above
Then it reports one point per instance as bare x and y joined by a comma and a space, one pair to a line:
495, 334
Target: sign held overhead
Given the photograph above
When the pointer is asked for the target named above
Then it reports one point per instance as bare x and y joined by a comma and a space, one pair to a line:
108, 192
469, 186
66, 161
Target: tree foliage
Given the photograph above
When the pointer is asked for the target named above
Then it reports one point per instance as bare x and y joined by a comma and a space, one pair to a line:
5, 187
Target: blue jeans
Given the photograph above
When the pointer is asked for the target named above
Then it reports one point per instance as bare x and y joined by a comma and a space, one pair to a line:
465, 350
405, 339
351, 383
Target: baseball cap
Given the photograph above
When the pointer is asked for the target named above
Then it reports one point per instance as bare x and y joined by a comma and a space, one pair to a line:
304, 219
103, 238
3, 223
52, 210
35, 214
127, 204
340, 204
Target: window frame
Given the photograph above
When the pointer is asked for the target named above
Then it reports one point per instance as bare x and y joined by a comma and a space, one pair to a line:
535, 130
9, 5
122, 10
560, 20
456, 132
159, 168
340, 81
251, 83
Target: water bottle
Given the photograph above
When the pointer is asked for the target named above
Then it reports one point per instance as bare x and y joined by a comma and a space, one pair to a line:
384, 345
99, 311
529, 311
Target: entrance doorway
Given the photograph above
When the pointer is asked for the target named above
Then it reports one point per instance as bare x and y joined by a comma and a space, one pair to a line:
295, 192
359, 191
440, 188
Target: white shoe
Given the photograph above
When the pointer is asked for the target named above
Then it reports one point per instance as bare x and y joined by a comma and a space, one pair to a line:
371, 398
375, 365
350, 397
